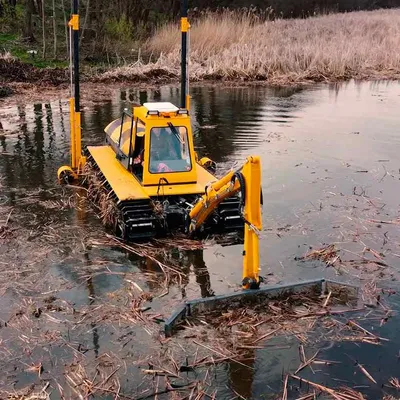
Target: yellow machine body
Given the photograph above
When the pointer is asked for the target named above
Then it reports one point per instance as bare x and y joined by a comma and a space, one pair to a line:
150, 168
147, 165
128, 187
116, 158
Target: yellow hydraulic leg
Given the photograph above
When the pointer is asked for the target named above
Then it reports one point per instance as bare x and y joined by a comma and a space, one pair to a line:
188, 102
72, 122
70, 173
76, 136
80, 160
251, 260
248, 180
66, 173
253, 224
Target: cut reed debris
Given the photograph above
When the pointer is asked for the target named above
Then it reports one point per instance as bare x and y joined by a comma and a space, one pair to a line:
250, 323
27, 394
395, 383
103, 381
100, 197
341, 394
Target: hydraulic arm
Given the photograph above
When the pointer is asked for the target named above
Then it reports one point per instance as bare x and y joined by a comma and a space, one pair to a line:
247, 181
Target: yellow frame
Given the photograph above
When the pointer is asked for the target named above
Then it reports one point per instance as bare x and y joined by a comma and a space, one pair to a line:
220, 190
162, 120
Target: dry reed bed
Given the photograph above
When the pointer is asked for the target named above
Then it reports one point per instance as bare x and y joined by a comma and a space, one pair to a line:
247, 328
231, 46
248, 324
130, 307
232, 335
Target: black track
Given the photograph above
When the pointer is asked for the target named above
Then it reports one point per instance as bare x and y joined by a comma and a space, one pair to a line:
160, 216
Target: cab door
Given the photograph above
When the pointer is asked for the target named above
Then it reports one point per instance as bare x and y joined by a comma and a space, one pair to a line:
120, 134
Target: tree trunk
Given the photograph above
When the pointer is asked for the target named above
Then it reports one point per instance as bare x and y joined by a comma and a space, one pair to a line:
66, 28
12, 4
54, 30
85, 22
44, 29
28, 28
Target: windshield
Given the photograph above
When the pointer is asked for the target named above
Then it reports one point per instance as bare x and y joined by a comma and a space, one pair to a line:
169, 150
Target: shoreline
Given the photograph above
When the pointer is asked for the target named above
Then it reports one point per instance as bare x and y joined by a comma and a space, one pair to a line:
231, 49
20, 92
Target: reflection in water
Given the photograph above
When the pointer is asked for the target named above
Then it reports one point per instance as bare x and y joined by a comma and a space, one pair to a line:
196, 260
228, 121
93, 325
225, 121
309, 152
241, 377
92, 299
188, 261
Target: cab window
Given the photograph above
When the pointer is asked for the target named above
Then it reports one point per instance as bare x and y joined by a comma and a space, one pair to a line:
169, 150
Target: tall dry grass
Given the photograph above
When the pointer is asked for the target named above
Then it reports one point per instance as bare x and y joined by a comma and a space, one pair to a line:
364, 44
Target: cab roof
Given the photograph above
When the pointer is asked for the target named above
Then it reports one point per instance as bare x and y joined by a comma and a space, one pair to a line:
155, 111
161, 107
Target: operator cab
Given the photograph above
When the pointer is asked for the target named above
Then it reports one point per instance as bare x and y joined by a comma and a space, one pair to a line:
155, 143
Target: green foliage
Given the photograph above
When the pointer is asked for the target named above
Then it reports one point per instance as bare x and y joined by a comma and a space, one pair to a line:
11, 18
17, 48
6, 38
113, 31
119, 28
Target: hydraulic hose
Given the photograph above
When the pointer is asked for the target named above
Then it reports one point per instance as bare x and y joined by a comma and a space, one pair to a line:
239, 176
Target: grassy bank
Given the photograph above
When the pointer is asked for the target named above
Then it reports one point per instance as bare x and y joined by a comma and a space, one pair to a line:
232, 46
14, 46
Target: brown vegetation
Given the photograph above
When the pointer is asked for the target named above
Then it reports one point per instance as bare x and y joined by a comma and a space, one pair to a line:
236, 46
13, 70
233, 46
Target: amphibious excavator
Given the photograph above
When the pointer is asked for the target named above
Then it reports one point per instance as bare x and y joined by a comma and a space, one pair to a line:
149, 172
148, 167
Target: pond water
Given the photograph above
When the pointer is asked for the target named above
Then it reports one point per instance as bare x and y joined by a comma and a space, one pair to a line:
330, 176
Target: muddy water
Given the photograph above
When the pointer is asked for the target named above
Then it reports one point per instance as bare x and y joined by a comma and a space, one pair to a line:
330, 175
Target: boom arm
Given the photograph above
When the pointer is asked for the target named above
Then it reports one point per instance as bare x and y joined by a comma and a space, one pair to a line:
247, 180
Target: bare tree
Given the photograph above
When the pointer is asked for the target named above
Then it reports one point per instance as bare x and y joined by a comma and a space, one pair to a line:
44, 29
12, 4
65, 27
28, 27
54, 30
85, 21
